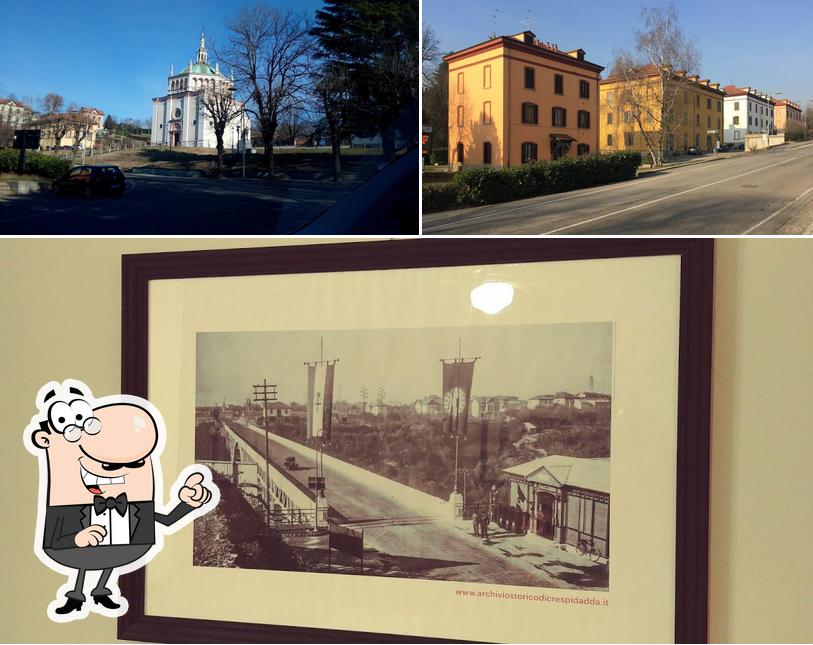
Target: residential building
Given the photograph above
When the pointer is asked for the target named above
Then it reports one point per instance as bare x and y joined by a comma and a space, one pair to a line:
431, 404
541, 401
560, 498
695, 120
564, 398
515, 99
180, 119
84, 123
494, 407
788, 116
14, 114
747, 111
278, 409
591, 400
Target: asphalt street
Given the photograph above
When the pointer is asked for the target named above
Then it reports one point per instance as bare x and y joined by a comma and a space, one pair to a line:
762, 193
160, 205
427, 546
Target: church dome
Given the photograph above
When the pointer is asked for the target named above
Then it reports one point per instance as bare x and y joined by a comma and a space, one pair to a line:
199, 68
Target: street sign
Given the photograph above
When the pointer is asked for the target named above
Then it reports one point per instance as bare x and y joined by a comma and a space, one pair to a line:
712, 131
426, 129
27, 139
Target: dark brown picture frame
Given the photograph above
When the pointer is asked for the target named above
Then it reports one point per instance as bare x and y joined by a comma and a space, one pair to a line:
694, 391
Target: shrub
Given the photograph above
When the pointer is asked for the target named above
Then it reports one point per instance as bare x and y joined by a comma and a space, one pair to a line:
440, 197
35, 163
439, 156
478, 186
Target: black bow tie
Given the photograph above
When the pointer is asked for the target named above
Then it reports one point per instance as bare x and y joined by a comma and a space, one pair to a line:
101, 504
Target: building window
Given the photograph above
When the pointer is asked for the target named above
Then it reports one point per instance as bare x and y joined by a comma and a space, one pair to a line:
697, 101
649, 117
697, 120
487, 77
627, 117
719, 106
530, 113
559, 117
609, 118
609, 98
487, 113
749, 121
629, 139
685, 141
582, 149
558, 84
708, 120
487, 153
530, 78
528, 152
459, 153
736, 106
609, 141
584, 120
685, 118
460, 82
708, 104
736, 120
584, 90
459, 116
685, 98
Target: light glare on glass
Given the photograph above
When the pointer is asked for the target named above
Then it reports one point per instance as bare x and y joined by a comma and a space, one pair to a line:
492, 297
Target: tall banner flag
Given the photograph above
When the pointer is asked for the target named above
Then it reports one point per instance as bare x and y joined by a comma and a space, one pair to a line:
320, 399
457, 378
327, 407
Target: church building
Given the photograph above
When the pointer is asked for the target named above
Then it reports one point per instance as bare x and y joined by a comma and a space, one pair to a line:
179, 118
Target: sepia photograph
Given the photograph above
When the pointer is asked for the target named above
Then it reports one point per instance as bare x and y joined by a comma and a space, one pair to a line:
474, 454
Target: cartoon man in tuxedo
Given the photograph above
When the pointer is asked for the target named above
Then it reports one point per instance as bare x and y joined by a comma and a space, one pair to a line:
99, 473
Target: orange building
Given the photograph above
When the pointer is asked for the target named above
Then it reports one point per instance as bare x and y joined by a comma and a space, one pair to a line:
514, 99
788, 116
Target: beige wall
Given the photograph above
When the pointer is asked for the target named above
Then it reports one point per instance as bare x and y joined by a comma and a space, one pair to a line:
60, 317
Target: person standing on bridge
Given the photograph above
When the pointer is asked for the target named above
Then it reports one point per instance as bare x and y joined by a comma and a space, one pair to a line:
475, 521
484, 526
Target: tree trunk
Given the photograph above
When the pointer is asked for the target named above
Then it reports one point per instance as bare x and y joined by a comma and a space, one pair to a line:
388, 144
336, 148
219, 154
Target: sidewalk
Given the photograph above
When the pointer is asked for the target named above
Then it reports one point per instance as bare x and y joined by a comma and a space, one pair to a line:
537, 554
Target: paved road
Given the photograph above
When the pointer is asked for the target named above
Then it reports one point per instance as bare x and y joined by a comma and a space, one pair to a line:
759, 194
163, 205
410, 544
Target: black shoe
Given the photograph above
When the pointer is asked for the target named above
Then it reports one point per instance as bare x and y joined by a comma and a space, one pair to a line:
71, 605
105, 601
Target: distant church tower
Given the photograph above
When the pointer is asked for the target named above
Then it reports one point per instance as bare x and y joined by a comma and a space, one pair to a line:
179, 118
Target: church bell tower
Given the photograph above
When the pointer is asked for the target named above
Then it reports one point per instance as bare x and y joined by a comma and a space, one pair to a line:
202, 55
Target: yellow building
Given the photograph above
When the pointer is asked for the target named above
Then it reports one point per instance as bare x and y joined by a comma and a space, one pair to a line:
85, 122
514, 99
630, 108
788, 116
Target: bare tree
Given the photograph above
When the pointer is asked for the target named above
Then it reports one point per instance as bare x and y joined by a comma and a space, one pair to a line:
430, 53
82, 123
221, 109
268, 53
53, 103
333, 93
654, 77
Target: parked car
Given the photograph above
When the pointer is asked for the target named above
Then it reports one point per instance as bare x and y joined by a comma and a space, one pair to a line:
90, 181
694, 151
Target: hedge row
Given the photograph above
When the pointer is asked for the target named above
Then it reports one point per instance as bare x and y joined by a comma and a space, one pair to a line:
479, 186
35, 163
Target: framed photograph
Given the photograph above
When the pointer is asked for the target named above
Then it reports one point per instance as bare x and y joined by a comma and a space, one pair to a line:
476, 440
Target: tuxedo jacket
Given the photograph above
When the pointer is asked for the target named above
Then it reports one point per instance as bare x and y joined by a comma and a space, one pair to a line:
62, 523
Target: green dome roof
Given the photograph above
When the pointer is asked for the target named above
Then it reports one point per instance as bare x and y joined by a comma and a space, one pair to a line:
199, 68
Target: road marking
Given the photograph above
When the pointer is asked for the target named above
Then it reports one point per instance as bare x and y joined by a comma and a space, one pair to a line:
635, 182
661, 199
781, 210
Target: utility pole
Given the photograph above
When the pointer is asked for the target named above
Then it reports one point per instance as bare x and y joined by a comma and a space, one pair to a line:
264, 394
381, 393
363, 392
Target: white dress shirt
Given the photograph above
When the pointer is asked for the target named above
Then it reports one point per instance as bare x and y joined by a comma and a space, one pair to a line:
118, 526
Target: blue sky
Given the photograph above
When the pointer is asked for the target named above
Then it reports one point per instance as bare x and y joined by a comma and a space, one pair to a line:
114, 56
767, 45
